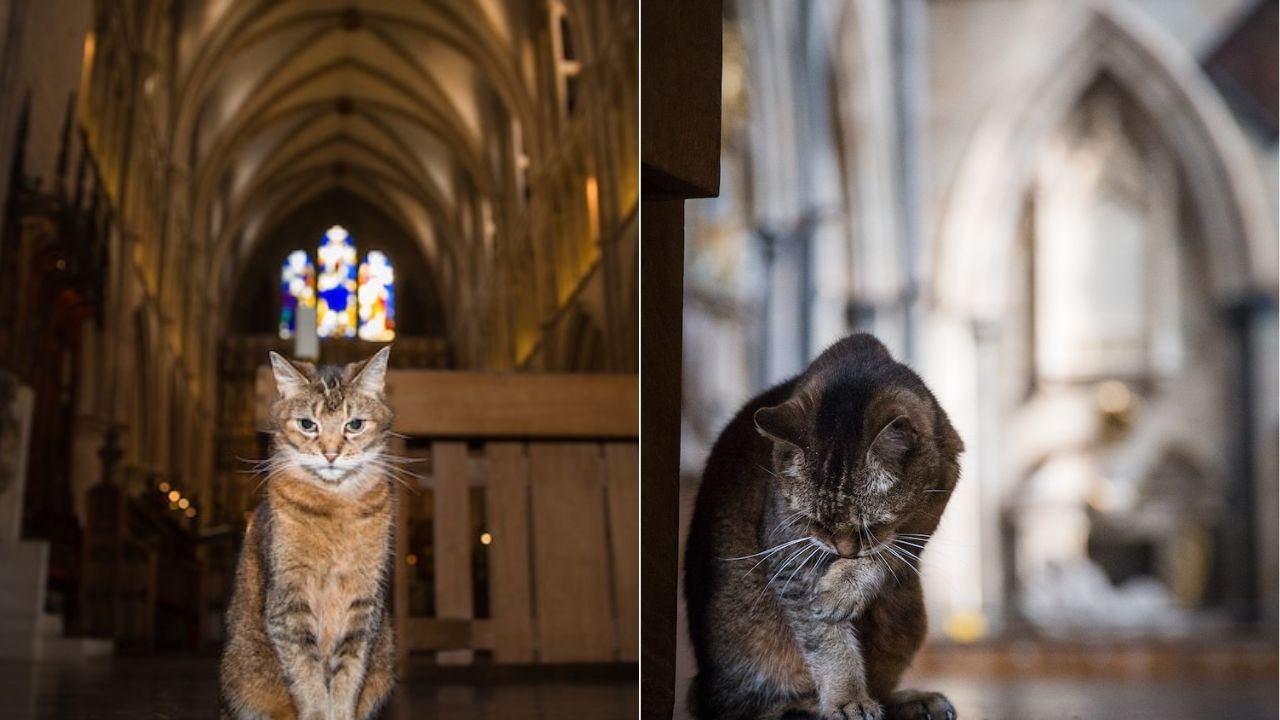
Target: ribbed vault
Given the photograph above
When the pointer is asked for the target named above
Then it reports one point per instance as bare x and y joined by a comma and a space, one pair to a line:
421, 109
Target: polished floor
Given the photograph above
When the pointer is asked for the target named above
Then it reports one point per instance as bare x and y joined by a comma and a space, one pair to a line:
185, 689
1100, 699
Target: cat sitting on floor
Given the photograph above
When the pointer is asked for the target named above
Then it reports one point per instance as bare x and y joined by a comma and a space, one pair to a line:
801, 568
309, 632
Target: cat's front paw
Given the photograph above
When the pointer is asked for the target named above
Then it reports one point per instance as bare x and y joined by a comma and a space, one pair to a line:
844, 590
856, 710
919, 705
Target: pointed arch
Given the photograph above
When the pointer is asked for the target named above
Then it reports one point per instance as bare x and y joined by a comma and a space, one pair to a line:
980, 220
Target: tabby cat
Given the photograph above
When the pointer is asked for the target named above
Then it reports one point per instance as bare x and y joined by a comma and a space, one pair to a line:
801, 568
309, 633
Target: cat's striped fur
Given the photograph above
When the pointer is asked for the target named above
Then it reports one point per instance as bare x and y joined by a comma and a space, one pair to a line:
309, 629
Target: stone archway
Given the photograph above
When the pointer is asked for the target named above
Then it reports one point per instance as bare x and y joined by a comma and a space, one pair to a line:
984, 221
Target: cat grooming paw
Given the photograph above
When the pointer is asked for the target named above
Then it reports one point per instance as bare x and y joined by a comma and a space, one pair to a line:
846, 589
920, 705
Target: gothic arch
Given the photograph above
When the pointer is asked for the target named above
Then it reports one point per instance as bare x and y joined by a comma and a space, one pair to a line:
980, 221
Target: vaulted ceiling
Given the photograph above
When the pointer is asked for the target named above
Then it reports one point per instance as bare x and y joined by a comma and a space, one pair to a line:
421, 108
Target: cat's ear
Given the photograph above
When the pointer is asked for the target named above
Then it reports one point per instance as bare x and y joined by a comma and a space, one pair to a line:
786, 422
371, 376
289, 380
894, 440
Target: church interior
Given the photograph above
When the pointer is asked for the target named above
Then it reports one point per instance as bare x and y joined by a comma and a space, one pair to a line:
1062, 215
189, 185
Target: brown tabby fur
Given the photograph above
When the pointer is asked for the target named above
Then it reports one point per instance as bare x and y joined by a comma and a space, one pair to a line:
851, 463
309, 632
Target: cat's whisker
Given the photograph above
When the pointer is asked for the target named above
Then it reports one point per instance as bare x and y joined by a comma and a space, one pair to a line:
788, 522
912, 543
909, 553
769, 583
402, 459
394, 473
936, 490
803, 559
396, 469
897, 552
887, 565
769, 551
771, 472
816, 552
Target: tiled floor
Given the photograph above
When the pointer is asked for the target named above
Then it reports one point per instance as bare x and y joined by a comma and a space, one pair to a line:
186, 689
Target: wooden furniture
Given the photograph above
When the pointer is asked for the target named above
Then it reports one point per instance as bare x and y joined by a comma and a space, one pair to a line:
525, 492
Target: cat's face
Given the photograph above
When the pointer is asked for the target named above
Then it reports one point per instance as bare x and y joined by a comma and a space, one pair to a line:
331, 422
854, 465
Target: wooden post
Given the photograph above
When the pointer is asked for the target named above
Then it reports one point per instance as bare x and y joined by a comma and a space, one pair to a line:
623, 491
680, 157
452, 534
510, 601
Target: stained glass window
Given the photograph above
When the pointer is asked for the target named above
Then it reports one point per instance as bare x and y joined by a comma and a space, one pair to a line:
377, 298
336, 286
297, 289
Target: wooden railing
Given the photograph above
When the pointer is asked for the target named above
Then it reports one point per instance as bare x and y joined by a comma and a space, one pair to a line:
518, 526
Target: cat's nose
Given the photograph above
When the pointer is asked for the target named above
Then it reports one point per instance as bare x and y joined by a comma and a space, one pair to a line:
846, 544
330, 456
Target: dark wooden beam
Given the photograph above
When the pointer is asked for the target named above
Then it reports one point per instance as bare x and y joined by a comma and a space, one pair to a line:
680, 154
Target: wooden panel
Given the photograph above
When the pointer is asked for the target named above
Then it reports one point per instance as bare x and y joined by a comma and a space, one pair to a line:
476, 404
622, 490
571, 577
452, 535
446, 635
509, 597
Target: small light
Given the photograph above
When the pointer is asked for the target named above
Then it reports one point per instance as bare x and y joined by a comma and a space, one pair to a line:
164, 487
191, 512
61, 264
174, 495
966, 626
485, 538
411, 559
184, 503
173, 506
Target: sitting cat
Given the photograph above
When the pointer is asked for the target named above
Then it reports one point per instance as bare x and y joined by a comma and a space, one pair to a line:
309, 629
801, 568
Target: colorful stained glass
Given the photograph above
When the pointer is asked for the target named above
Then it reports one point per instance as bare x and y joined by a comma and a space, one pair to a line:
297, 289
336, 285
377, 298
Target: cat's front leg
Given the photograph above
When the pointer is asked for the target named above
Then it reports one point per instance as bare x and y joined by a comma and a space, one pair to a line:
846, 589
835, 661
291, 627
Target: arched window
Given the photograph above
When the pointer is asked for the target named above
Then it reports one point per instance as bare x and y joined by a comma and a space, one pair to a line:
336, 286
377, 298
297, 289
347, 305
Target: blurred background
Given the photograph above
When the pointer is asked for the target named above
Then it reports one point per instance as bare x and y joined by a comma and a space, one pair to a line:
1062, 214
188, 185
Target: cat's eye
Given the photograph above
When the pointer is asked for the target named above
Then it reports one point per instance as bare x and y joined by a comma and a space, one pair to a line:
307, 424
355, 425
